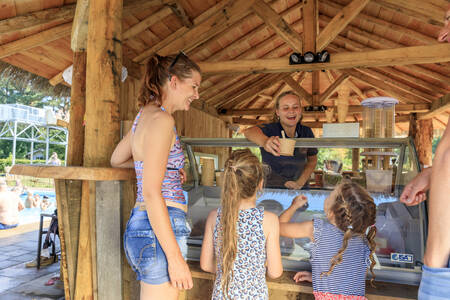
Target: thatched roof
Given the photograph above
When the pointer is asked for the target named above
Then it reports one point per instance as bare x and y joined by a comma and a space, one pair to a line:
35, 36
24, 79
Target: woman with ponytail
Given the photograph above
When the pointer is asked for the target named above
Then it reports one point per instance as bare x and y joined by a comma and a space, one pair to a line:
241, 239
343, 244
156, 234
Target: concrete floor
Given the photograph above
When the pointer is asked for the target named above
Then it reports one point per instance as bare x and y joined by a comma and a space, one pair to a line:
17, 281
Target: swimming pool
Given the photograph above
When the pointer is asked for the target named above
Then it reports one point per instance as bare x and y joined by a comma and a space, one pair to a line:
32, 215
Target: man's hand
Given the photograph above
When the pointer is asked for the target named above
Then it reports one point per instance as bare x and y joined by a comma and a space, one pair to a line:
272, 145
415, 190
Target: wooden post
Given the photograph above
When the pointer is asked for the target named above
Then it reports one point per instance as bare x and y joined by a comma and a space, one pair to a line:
130, 89
103, 75
422, 133
68, 192
355, 159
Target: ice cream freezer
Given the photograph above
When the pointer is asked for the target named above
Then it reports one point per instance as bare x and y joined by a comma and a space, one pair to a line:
401, 229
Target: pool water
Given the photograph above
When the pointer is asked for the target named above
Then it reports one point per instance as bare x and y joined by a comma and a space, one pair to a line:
32, 215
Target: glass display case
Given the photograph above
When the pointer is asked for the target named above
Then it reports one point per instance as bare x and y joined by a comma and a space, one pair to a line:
401, 229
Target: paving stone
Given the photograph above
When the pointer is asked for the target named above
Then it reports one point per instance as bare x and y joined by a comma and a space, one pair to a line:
20, 271
8, 263
7, 283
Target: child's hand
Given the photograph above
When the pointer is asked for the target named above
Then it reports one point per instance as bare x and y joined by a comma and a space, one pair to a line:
299, 201
303, 276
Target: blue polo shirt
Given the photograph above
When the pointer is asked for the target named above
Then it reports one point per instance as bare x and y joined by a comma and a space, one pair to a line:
286, 168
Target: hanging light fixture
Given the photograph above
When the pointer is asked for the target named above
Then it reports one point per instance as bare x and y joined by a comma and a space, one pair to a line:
308, 57
323, 56
295, 58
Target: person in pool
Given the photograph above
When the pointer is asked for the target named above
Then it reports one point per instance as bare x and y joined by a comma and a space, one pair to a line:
10, 205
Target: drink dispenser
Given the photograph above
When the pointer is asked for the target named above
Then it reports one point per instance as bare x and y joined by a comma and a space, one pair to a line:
378, 122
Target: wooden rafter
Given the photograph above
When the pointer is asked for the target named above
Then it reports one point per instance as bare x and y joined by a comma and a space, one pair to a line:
389, 80
310, 14
177, 7
437, 107
333, 88
209, 28
35, 40
299, 89
385, 25
341, 60
339, 21
276, 22
146, 23
420, 10
35, 20
253, 89
393, 91
232, 90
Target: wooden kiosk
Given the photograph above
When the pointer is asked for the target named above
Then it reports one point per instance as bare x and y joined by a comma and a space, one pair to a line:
242, 46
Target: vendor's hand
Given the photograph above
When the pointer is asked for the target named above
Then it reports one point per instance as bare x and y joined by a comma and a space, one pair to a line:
182, 176
415, 190
293, 185
299, 201
303, 276
272, 145
179, 273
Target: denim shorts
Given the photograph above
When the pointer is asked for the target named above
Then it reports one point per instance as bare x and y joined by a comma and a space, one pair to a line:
435, 283
143, 250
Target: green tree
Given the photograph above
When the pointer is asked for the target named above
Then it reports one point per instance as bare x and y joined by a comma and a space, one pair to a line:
12, 94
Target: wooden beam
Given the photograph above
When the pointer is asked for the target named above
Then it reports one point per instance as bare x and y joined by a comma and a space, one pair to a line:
389, 80
339, 22
332, 88
277, 23
315, 90
35, 20
146, 23
310, 13
334, 8
352, 109
78, 40
177, 8
253, 89
315, 124
341, 60
142, 57
232, 91
35, 40
422, 11
298, 89
75, 173
202, 32
437, 107
401, 95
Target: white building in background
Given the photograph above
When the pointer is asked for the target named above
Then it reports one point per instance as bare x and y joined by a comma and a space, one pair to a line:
30, 124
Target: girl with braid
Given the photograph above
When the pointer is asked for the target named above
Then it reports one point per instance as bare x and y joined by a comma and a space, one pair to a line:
240, 239
343, 244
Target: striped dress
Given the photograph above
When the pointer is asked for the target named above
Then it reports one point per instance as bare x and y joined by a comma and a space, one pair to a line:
348, 279
171, 189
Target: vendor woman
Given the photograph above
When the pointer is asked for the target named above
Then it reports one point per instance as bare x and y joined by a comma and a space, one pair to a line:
290, 172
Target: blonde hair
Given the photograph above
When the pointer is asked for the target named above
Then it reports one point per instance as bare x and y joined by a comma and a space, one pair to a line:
354, 211
242, 178
275, 117
158, 73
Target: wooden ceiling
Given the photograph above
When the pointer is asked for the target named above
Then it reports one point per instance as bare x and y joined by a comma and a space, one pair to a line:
237, 43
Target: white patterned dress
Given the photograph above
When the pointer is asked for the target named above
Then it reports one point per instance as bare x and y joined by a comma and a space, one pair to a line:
249, 280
